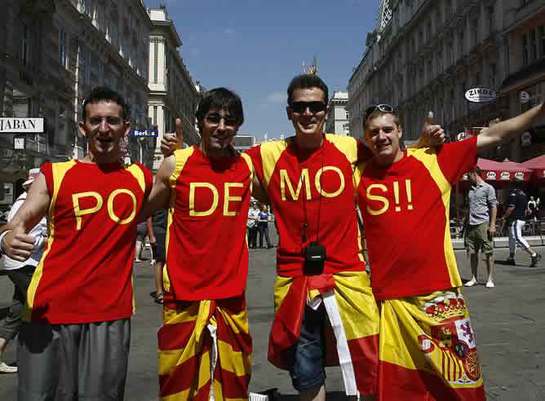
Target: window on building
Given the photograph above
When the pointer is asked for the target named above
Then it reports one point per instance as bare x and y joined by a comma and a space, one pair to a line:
461, 44
63, 48
474, 32
492, 76
155, 61
525, 56
533, 45
490, 17
25, 45
542, 40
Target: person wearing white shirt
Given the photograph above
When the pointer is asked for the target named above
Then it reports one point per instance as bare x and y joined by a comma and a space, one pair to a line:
20, 274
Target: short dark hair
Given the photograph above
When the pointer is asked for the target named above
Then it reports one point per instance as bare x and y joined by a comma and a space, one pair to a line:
105, 94
477, 170
307, 81
377, 113
222, 99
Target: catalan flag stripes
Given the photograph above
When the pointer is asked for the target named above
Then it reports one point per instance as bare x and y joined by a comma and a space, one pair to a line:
187, 346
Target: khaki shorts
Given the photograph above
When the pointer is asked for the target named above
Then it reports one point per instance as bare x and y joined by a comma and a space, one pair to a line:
477, 239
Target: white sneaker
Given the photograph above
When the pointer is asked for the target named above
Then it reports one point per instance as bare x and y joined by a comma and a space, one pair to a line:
471, 282
5, 368
489, 284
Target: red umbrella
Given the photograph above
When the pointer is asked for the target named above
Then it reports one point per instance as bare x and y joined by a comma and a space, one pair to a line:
537, 165
503, 171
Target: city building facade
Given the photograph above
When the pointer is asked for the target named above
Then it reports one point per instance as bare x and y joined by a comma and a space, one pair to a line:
53, 53
425, 55
172, 93
337, 116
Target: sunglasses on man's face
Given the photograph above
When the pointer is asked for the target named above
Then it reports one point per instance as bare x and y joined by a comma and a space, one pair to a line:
384, 108
314, 107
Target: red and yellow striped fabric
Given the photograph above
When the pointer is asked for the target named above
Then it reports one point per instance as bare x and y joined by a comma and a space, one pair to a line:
357, 309
190, 359
428, 350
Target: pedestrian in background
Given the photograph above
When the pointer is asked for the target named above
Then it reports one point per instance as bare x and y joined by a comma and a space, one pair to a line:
481, 225
20, 274
515, 214
253, 216
263, 226
143, 229
159, 226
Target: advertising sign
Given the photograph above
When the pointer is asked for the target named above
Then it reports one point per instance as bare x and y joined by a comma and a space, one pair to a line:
21, 125
145, 133
480, 95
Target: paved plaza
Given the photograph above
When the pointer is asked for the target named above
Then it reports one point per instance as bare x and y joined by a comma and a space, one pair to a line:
509, 321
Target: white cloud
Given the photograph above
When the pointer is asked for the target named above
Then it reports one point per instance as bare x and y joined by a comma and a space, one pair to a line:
276, 97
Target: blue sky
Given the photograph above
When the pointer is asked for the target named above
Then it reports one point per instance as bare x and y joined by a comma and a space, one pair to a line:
255, 47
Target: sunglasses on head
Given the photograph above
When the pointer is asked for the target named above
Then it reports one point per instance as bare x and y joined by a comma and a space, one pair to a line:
314, 107
384, 108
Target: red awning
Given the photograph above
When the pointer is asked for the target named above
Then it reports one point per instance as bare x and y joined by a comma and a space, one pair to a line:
537, 165
503, 171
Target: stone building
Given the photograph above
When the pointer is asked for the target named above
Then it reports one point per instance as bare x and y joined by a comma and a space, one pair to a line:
337, 116
172, 93
52, 53
424, 55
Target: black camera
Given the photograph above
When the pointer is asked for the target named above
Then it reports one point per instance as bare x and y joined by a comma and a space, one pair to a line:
315, 255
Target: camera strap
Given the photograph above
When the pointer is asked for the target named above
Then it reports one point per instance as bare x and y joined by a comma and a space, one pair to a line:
304, 228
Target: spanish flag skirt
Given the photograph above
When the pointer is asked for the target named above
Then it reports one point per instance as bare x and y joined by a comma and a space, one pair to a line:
427, 350
205, 350
351, 339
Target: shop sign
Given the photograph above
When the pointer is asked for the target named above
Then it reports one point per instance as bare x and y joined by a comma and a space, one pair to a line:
145, 133
524, 97
519, 175
480, 95
490, 175
21, 125
505, 175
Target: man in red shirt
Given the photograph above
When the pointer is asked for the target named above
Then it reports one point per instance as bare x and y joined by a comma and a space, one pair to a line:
80, 300
427, 344
204, 343
322, 288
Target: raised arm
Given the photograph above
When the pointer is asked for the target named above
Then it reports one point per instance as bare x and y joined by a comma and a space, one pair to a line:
160, 192
505, 130
15, 242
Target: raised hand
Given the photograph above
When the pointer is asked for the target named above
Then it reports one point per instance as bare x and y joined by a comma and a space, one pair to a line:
172, 141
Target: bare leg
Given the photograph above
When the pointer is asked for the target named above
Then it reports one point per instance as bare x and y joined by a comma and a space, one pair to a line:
158, 280
490, 267
474, 260
314, 394
138, 250
3, 345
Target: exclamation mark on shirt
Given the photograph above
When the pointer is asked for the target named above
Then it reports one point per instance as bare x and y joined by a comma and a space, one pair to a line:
409, 194
396, 196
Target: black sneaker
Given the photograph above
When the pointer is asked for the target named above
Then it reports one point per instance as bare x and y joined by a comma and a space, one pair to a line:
536, 258
510, 261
